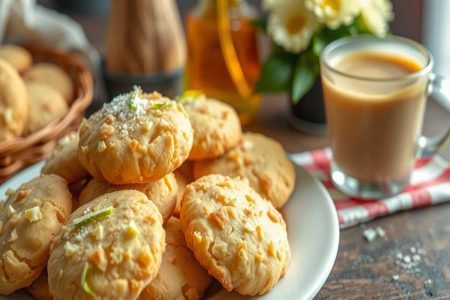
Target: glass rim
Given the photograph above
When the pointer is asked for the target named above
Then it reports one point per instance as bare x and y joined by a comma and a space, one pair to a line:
397, 39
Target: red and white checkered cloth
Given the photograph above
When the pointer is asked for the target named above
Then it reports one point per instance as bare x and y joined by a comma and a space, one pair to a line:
430, 184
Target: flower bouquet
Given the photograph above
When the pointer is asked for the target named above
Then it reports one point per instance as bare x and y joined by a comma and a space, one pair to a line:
300, 30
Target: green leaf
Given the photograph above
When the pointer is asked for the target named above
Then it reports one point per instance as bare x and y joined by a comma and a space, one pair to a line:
343, 31
361, 26
261, 23
305, 75
325, 36
319, 42
276, 73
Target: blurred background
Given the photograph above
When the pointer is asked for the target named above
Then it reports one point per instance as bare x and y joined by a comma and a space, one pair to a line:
408, 22
427, 22
424, 21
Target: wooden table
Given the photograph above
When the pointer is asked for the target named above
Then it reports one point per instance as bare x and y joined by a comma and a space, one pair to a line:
364, 270
367, 270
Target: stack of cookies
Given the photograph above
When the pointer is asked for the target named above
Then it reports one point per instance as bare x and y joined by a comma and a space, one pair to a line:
151, 199
31, 95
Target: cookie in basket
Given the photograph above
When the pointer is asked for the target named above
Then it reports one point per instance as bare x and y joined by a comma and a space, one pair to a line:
53, 76
238, 236
39, 288
18, 57
13, 103
46, 105
29, 220
216, 126
110, 248
64, 160
180, 275
163, 192
135, 138
259, 159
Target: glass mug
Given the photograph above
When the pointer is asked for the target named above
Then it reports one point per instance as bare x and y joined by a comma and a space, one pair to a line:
374, 122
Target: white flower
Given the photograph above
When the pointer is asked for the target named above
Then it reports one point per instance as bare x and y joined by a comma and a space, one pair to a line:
334, 13
291, 25
376, 15
269, 4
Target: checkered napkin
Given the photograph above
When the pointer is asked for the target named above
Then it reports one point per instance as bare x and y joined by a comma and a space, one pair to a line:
430, 184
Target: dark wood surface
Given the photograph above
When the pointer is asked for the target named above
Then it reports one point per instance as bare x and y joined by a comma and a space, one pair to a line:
364, 270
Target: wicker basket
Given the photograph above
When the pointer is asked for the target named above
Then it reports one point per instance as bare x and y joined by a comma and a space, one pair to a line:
23, 151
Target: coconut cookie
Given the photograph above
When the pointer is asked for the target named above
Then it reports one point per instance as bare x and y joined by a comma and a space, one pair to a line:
19, 58
64, 160
182, 182
216, 127
29, 220
13, 103
39, 288
46, 104
184, 176
239, 237
136, 138
75, 189
180, 275
54, 77
186, 170
163, 192
110, 248
259, 159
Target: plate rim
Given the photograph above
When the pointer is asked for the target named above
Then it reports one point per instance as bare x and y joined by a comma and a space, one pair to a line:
303, 175
336, 233
315, 289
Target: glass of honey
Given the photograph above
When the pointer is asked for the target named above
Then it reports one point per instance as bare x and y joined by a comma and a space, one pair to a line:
218, 50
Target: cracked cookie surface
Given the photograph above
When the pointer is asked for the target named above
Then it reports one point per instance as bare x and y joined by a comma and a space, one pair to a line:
135, 138
110, 248
182, 182
162, 192
39, 288
216, 127
180, 275
259, 159
64, 160
29, 220
239, 237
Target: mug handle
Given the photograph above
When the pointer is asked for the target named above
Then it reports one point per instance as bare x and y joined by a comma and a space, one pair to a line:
438, 86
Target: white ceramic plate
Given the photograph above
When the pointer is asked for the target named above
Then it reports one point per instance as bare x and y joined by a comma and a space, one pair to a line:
313, 232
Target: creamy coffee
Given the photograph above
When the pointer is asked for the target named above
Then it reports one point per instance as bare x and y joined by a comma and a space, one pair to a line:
374, 112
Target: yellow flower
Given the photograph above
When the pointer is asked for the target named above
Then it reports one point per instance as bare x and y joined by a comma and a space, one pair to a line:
334, 13
291, 25
376, 15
